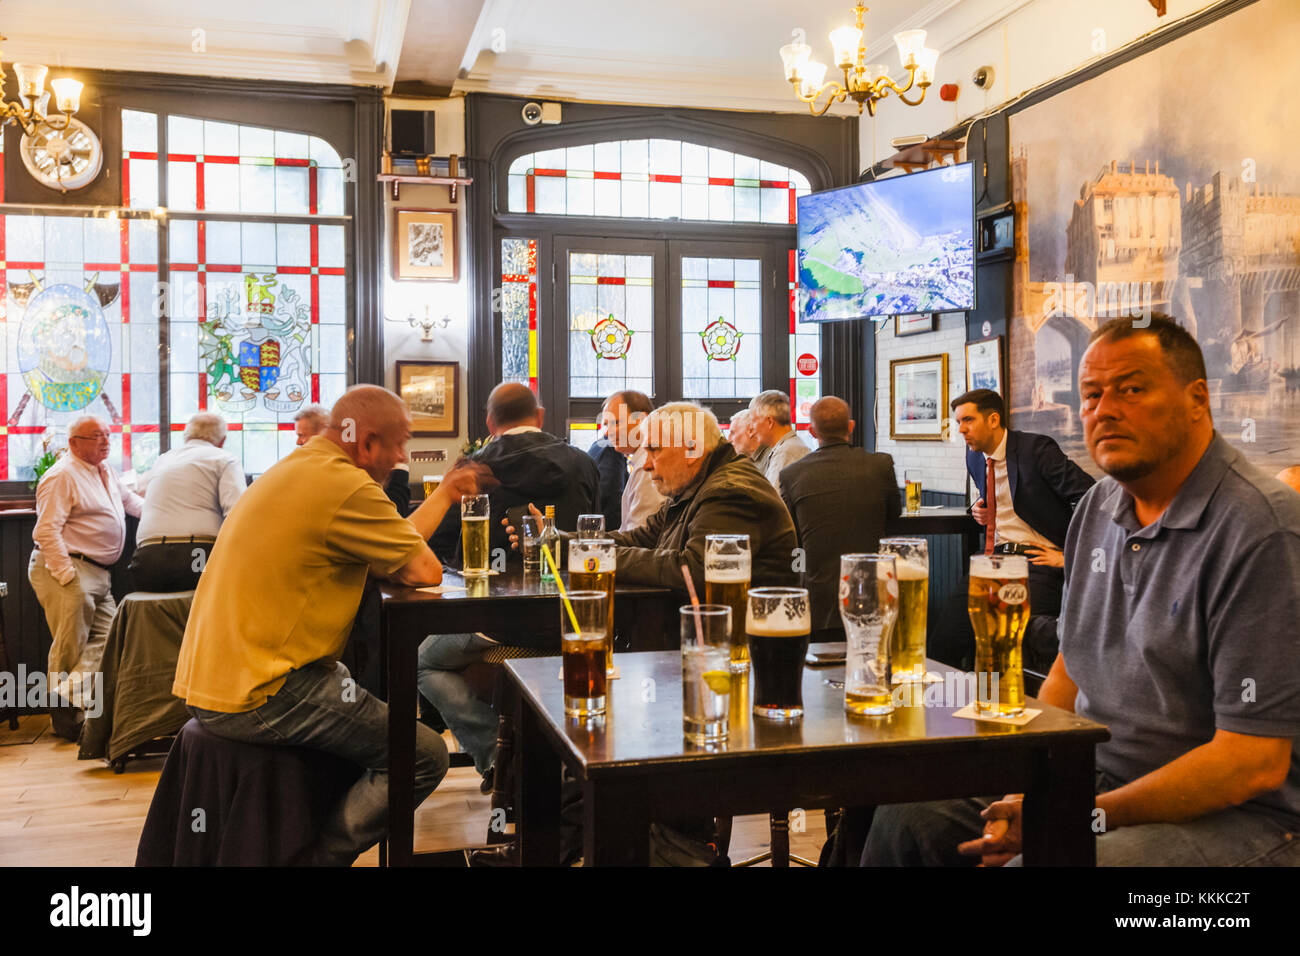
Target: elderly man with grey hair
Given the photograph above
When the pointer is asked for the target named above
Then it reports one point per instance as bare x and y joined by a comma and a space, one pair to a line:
187, 495
80, 531
770, 421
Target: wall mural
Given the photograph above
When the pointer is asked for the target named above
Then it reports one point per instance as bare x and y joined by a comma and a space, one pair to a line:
1148, 188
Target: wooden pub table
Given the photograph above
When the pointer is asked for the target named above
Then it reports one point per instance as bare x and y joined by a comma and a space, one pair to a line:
512, 605
635, 766
940, 520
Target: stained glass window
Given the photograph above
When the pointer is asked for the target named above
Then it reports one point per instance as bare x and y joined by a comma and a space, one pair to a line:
255, 312
722, 322
611, 324
519, 311
654, 179
805, 359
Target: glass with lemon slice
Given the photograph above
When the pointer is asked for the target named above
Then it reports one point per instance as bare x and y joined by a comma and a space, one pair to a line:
706, 672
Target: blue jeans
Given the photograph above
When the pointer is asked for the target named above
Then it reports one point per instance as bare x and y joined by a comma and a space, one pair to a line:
316, 709
927, 834
442, 659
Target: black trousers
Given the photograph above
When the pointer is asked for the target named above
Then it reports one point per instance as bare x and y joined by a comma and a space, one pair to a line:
1041, 643
174, 566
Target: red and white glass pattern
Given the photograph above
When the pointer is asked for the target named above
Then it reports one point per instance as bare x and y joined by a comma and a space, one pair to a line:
611, 324
654, 179
272, 294
805, 359
80, 333
519, 311
722, 327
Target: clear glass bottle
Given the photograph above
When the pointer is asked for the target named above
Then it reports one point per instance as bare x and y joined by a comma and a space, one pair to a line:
550, 540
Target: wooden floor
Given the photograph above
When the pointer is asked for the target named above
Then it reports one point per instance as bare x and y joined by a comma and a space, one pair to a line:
56, 810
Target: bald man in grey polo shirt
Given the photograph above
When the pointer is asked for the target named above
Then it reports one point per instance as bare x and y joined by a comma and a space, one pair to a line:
1178, 630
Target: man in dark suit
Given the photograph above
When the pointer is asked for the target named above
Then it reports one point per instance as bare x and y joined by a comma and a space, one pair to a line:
532, 467
610, 462
840, 498
1027, 509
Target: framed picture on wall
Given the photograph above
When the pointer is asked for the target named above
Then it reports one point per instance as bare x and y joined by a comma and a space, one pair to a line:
431, 391
424, 244
984, 364
918, 398
913, 324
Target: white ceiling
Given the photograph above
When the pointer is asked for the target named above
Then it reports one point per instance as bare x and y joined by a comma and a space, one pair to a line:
315, 41
701, 53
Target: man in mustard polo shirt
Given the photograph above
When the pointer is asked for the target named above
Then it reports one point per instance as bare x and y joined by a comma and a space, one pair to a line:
275, 604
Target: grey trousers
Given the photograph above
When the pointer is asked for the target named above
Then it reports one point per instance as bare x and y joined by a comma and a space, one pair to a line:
79, 614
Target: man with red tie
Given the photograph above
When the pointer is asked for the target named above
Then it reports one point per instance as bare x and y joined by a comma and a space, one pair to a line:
1028, 489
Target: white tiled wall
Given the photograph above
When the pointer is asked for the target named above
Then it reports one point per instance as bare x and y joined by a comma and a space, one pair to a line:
942, 464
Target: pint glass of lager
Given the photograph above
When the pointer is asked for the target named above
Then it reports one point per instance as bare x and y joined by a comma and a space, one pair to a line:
706, 676
474, 535
998, 602
726, 581
869, 598
778, 622
583, 650
591, 568
908, 653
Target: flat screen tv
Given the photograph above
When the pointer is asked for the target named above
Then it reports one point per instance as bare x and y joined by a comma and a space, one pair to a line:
898, 246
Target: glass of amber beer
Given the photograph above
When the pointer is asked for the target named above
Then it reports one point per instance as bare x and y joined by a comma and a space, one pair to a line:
913, 479
907, 655
726, 581
778, 622
474, 535
998, 602
583, 650
869, 599
706, 677
592, 562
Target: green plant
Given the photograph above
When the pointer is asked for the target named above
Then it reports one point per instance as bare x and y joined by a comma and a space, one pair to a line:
43, 464
471, 447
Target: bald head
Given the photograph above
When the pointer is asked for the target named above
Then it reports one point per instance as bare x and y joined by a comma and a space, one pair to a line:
372, 426
1290, 476
510, 405
830, 420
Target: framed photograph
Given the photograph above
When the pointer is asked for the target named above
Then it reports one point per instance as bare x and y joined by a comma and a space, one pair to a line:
984, 364
424, 244
913, 324
918, 398
431, 391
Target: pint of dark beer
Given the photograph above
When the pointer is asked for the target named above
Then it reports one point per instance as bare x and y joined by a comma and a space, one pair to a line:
778, 622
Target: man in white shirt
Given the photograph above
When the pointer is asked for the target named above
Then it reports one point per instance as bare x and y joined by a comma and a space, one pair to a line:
80, 531
770, 420
190, 491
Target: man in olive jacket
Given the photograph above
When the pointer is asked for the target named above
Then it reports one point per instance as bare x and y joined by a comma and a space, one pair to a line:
710, 490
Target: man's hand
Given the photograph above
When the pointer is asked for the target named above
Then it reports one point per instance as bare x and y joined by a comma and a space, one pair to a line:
980, 513
467, 478
1046, 557
1001, 839
514, 533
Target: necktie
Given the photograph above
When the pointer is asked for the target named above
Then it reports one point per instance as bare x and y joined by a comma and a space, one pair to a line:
991, 503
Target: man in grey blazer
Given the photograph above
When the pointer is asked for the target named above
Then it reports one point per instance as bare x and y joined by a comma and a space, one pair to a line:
840, 498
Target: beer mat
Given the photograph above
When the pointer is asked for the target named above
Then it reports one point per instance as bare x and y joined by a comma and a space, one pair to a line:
614, 676
968, 712
440, 589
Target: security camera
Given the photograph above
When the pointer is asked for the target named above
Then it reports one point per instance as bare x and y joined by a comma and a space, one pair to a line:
532, 113
983, 77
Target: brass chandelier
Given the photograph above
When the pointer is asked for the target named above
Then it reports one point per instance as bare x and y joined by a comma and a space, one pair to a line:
30, 113
866, 84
